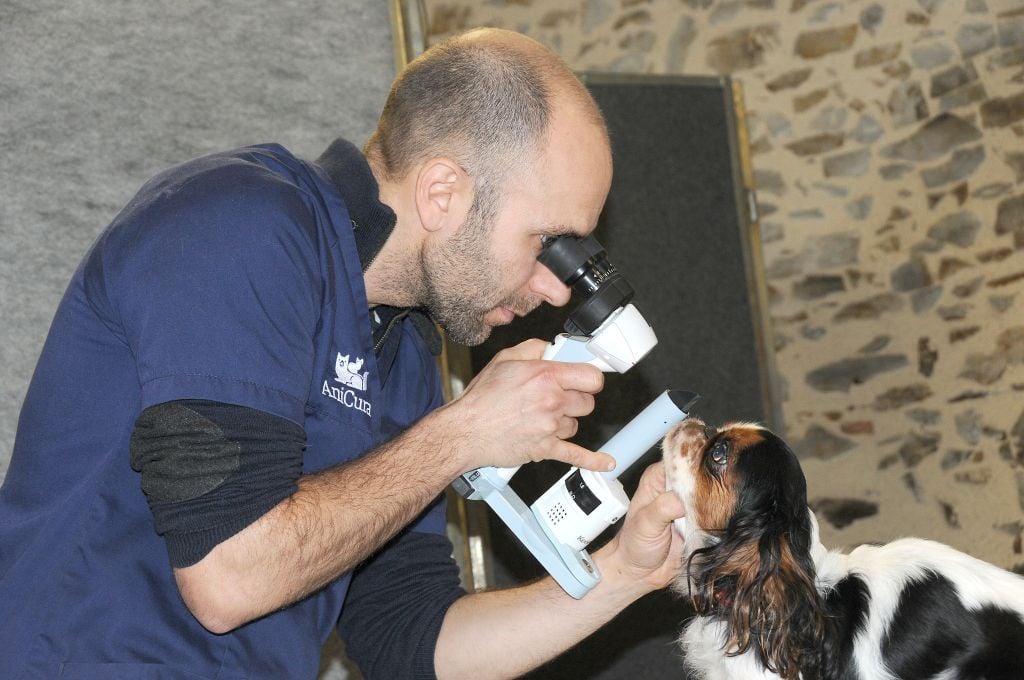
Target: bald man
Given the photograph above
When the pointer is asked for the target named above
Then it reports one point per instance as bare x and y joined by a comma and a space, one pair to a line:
235, 440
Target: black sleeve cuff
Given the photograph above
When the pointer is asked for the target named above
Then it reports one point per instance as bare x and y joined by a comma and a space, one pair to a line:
211, 469
396, 604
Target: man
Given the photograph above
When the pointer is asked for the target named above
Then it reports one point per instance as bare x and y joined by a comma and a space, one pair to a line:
234, 439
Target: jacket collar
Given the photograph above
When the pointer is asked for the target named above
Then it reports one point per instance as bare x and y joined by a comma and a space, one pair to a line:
372, 222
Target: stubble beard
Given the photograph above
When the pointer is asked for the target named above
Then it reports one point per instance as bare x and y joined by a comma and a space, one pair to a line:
462, 283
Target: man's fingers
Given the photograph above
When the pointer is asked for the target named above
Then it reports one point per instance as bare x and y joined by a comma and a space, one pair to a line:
524, 351
656, 475
651, 520
668, 507
578, 404
577, 377
567, 428
575, 455
651, 482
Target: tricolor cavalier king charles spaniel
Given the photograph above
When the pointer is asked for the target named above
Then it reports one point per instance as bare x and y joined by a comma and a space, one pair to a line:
772, 602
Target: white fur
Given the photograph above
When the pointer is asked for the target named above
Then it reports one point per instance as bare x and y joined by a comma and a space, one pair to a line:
885, 569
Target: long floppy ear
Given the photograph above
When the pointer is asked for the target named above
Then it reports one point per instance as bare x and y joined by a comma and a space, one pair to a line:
762, 586
759, 580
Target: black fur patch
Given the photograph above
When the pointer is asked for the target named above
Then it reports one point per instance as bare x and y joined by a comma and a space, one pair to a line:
932, 631
846, 616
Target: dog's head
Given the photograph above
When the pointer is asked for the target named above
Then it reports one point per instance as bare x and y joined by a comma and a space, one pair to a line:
749, 535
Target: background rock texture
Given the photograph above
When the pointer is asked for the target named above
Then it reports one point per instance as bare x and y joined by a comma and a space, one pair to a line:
886, 141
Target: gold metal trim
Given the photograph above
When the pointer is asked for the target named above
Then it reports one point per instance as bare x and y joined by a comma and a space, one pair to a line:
473, 536
742, 135
408, 26
756, 280
399, 46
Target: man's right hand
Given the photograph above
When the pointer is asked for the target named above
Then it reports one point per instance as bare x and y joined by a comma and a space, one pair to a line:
521, 408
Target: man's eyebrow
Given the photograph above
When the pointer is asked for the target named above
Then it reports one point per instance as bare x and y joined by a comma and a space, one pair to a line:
556, 230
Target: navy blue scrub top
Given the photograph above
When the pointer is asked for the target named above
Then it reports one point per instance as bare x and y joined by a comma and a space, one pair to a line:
234, 278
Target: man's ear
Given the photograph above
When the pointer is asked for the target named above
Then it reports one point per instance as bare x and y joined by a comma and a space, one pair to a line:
444, 194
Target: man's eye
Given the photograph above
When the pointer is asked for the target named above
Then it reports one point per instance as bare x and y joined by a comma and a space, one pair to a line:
720, 453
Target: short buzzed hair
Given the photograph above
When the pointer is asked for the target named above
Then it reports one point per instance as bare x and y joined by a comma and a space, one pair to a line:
484, 103
464, 100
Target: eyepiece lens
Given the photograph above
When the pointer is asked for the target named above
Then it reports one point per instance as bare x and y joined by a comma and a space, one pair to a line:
583, 265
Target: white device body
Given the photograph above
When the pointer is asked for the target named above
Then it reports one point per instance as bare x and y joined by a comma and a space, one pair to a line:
559, 525
617, 345
580, 506
569, 515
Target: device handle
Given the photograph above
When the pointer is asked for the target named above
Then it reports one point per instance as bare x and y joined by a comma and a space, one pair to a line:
570, 349
647, 428
574, 349
574, 570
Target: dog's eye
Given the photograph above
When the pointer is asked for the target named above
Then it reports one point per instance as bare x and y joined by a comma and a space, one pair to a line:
719, 453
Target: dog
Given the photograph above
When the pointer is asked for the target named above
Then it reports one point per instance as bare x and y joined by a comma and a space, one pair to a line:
772, 602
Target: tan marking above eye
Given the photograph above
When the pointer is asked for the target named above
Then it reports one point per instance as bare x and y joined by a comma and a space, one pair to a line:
715, 497
742, 438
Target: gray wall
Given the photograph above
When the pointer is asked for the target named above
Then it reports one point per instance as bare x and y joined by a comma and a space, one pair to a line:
95, 97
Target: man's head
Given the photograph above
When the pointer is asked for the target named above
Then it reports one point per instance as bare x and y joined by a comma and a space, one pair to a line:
496, 144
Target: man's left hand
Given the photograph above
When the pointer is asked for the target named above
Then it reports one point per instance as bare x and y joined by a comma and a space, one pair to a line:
648, 550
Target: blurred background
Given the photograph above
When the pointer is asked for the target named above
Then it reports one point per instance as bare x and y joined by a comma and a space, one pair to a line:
884, 141
886, 145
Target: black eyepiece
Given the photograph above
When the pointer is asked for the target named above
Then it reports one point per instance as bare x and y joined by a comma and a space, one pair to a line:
582, 264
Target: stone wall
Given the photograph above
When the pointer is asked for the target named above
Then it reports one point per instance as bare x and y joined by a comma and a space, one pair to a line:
886, 144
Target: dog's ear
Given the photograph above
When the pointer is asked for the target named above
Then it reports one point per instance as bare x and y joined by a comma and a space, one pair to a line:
759, 580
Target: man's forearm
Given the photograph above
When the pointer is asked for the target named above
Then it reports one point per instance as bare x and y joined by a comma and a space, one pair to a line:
334, 520
519, 408
505, 633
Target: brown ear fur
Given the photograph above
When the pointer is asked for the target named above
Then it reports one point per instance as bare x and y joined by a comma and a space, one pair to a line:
767, 596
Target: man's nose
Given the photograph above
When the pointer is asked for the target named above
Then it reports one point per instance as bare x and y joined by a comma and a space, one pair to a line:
546, 285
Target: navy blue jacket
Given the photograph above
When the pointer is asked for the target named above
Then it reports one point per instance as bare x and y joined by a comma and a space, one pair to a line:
234, 278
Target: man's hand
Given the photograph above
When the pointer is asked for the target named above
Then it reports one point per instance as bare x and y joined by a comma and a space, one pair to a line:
520, 408
539, 621
647, 550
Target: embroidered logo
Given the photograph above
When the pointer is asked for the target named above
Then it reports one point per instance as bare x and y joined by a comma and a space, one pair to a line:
347, 373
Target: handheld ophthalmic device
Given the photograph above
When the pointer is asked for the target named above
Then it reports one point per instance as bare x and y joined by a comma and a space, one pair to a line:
607, 331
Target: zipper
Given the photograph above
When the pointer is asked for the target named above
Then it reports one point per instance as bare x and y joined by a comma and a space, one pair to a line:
355, 230
387, 330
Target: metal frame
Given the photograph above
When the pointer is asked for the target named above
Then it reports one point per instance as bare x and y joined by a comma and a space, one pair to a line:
753, 257
408, 18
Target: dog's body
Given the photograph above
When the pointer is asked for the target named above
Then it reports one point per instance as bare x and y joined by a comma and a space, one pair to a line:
772, 602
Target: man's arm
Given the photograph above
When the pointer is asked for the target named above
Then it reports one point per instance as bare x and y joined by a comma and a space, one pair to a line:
518, 408
505, 633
